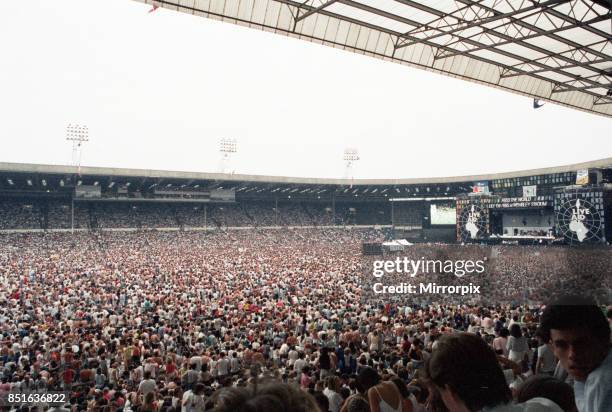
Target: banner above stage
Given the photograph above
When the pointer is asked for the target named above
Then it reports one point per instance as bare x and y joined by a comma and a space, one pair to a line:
521, 202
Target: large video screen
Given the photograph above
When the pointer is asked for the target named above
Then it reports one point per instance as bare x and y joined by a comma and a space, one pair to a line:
443, 214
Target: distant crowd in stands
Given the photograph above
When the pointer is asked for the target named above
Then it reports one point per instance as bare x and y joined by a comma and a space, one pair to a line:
19, 214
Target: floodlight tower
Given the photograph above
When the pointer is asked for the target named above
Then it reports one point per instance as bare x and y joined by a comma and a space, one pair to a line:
351, 155
77, 134
227, 147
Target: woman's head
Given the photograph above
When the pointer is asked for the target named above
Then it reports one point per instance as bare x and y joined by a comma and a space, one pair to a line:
466, 372
515, 330
401, 387
333, 383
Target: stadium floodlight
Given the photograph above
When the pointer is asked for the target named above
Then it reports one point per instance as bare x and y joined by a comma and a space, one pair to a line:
77, 134
227, 147
351, 155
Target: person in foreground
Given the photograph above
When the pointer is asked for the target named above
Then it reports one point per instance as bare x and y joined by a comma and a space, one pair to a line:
267, 397
580, 337
466, 373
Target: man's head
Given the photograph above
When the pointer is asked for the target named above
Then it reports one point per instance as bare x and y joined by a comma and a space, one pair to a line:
579, 334
467, 374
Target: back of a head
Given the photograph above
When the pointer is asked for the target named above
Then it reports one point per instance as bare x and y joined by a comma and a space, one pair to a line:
358, 404
367, 378
542, 386
466, 365
575, 312
199, 388
515, 331
269, 397
322, 401
333, 383
401, 387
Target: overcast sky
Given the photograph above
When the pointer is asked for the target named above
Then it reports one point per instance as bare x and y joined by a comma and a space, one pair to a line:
158, 90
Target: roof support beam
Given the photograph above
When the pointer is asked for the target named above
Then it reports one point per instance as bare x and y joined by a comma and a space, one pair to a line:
573, 23
315, 10
479, 22
521, 41
603, 86
470, 41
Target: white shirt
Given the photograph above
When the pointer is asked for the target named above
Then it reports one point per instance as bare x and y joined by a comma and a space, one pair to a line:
532, 405
335, 400
235, 365
223, 366
299, 365
193, 402
549, 361
595, 394
146, 386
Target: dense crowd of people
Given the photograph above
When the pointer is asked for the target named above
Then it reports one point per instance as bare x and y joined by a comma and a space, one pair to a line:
18, 215
274, 320
513, 274
55, 214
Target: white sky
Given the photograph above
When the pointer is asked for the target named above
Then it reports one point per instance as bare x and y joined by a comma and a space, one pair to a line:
159, 90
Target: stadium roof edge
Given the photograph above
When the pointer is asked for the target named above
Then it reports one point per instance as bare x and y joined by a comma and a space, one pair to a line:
166, 174
557, 51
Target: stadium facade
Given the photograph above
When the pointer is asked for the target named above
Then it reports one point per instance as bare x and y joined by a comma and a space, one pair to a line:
567, 204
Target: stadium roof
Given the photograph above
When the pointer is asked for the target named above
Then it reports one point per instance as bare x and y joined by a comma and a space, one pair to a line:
108, 172
55, 181
554, 50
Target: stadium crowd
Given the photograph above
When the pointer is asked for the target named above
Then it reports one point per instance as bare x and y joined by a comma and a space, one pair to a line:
274, 320
41, 214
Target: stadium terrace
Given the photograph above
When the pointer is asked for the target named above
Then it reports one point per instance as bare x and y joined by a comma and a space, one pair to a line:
526, 206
